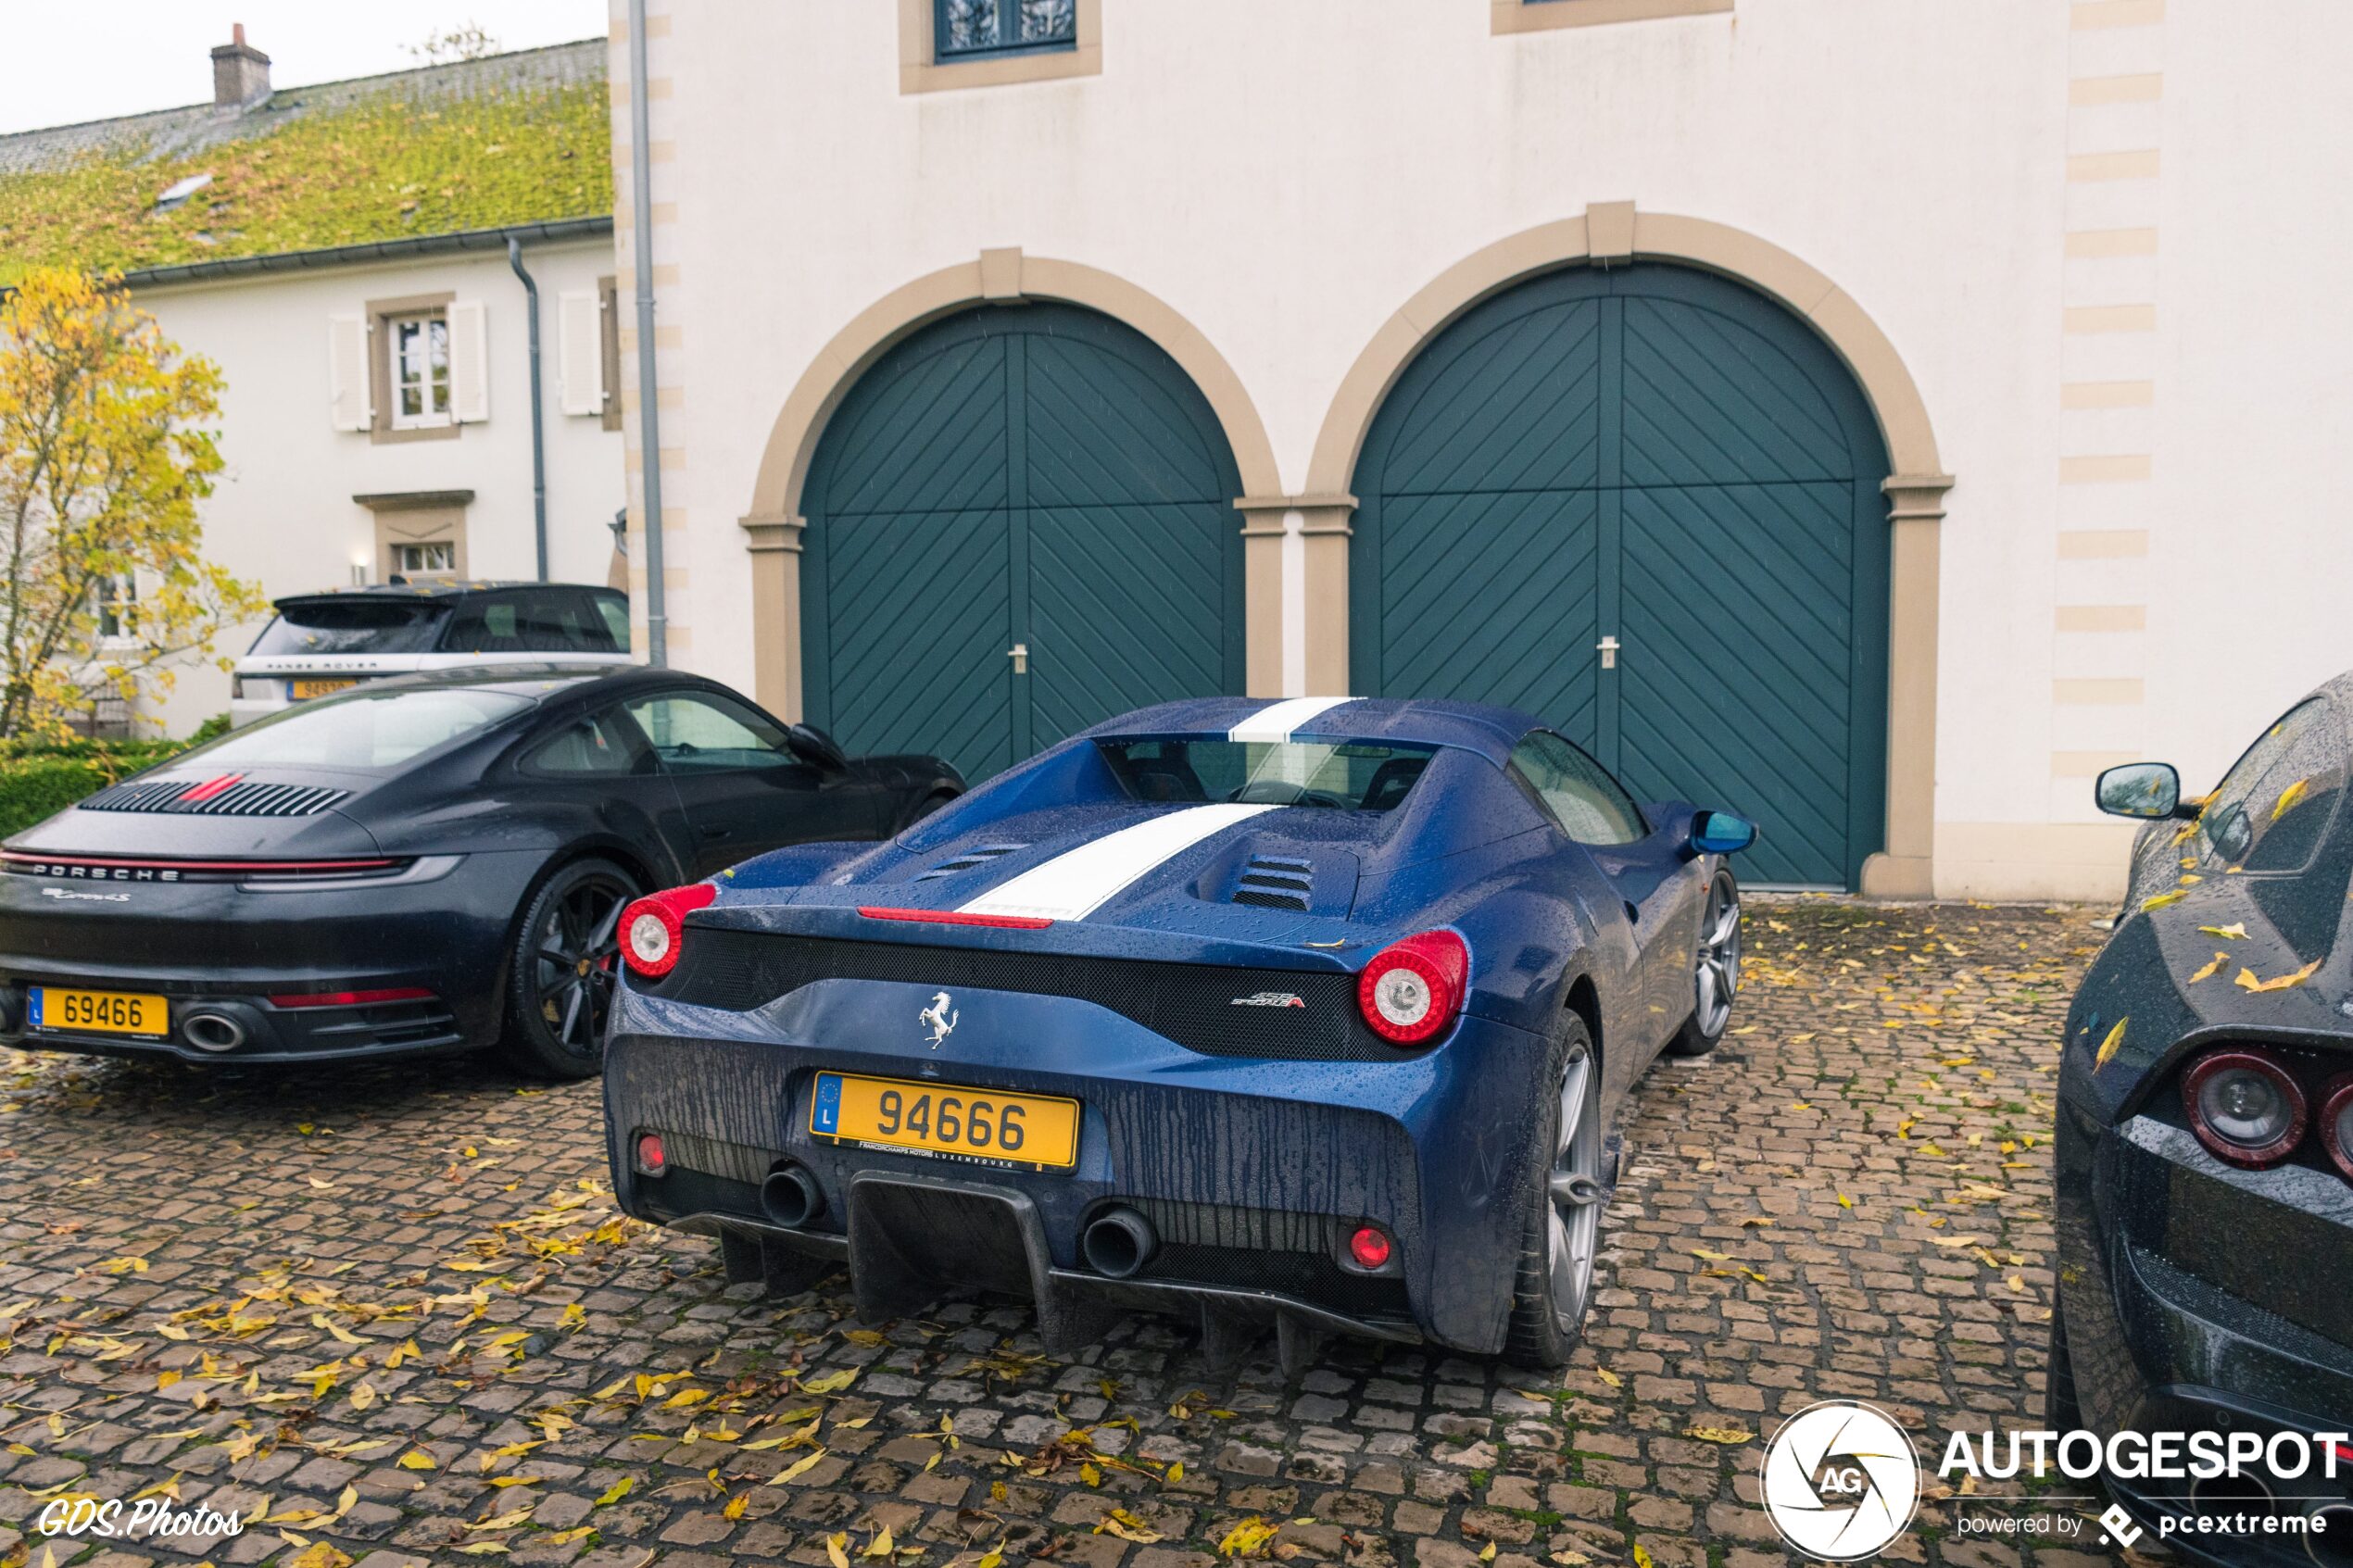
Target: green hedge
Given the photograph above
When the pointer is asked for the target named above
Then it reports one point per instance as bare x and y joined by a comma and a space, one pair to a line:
40, 779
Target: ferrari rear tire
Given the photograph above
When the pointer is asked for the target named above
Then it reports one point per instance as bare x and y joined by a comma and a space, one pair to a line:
562, 972
1554, 1284
2062, 1411
1715, 970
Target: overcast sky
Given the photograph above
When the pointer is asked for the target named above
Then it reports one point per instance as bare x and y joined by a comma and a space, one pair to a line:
65, 63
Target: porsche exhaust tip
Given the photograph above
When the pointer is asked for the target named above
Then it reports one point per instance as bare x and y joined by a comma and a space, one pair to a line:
2330, 1541
1118, 1242
215, 1032
791, 1197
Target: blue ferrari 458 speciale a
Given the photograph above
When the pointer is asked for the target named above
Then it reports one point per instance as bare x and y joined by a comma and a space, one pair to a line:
1316, 1011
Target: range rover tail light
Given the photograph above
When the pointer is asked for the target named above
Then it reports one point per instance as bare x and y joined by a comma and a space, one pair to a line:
2336, 1122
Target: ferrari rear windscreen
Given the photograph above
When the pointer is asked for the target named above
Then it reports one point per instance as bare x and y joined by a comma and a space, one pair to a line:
1346, 775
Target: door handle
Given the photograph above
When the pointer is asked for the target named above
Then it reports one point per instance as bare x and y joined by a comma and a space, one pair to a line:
1608, 646
1019, 653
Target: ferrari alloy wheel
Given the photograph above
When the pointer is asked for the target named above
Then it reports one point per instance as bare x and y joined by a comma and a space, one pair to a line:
1555, 1280
1715, 971
564, 969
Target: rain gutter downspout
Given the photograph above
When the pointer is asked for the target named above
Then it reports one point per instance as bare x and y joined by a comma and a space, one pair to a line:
641, 216
538, 415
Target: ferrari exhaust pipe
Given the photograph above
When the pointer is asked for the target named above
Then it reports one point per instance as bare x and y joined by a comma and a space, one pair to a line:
1118, 1242
2330, 1541
2228, 1493
791, 1197
213, 1031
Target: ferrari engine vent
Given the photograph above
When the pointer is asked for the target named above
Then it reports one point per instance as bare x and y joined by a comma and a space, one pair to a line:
978, 855
1276, 882
178, 797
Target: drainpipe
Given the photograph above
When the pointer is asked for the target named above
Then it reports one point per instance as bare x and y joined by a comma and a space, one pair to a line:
641, 205
538, 415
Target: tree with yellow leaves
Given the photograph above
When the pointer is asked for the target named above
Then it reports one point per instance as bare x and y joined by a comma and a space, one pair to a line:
103, 458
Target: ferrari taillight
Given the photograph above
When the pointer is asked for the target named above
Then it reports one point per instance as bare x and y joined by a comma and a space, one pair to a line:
1413, 989
2336, 1122
2244, 1105
654, 927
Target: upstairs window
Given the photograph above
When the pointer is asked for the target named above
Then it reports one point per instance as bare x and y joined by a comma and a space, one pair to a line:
420, 370
117, 602
966, 29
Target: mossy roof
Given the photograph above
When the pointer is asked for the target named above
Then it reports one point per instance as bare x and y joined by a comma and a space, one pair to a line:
517, 138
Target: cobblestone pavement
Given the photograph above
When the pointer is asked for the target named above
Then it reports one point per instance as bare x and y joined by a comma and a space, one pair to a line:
395, 1312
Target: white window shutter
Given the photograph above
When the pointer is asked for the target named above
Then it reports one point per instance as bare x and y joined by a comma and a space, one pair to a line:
580, 344
348, 373
469, 363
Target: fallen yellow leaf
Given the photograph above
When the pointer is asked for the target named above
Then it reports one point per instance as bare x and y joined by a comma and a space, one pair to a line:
2247, 980
2290, 798
2208, 972
2109, 1047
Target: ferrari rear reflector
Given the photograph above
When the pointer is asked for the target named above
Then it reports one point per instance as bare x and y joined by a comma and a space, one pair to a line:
956, 917
351, 999
1413, 989
1369, 1246
651, 1161
654, 927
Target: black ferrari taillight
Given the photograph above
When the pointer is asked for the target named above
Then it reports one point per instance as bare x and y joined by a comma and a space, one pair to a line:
2244, 1105
2336, 1122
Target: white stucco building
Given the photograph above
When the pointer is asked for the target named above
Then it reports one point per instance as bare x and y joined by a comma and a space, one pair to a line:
377, 416
1920, 399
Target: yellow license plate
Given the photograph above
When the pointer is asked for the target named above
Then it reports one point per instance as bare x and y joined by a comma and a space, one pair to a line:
944, 1119
99, 1012
303, 690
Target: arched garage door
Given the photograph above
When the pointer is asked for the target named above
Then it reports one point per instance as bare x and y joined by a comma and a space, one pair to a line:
1663, 458
1033, 476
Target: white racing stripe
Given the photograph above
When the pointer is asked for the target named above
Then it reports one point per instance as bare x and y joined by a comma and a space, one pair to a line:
1277, 721
1076, 882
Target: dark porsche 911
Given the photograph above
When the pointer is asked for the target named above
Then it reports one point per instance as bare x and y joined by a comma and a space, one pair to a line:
2205, 1153
426, 864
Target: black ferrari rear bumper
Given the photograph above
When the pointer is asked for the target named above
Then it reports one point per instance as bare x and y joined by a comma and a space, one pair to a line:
2197, 1297
252, 972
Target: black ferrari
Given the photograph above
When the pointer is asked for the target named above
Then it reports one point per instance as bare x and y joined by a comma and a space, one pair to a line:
2205, 1154
426, 864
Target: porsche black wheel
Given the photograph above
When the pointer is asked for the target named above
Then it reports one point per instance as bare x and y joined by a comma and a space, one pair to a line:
1555, 1285
561, 974
1715, 971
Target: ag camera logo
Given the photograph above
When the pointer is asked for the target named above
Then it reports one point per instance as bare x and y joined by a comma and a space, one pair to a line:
1842, 1480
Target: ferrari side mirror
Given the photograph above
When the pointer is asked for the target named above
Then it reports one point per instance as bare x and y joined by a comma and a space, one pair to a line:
2149, 791
1720, 833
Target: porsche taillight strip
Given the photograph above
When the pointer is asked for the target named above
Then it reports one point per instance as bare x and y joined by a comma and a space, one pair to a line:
1076, 882
23, 863
956, 917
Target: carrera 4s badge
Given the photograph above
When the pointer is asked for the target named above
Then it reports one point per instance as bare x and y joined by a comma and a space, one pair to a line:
1268, 999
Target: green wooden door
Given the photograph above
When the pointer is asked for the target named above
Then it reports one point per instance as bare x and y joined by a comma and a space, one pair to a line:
1668, 461
1035, 477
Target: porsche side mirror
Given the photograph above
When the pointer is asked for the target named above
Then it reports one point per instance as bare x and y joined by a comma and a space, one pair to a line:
1720, 833
816, 747
2149, 791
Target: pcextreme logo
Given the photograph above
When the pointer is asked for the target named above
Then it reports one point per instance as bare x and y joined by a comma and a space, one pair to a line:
1842, 1480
